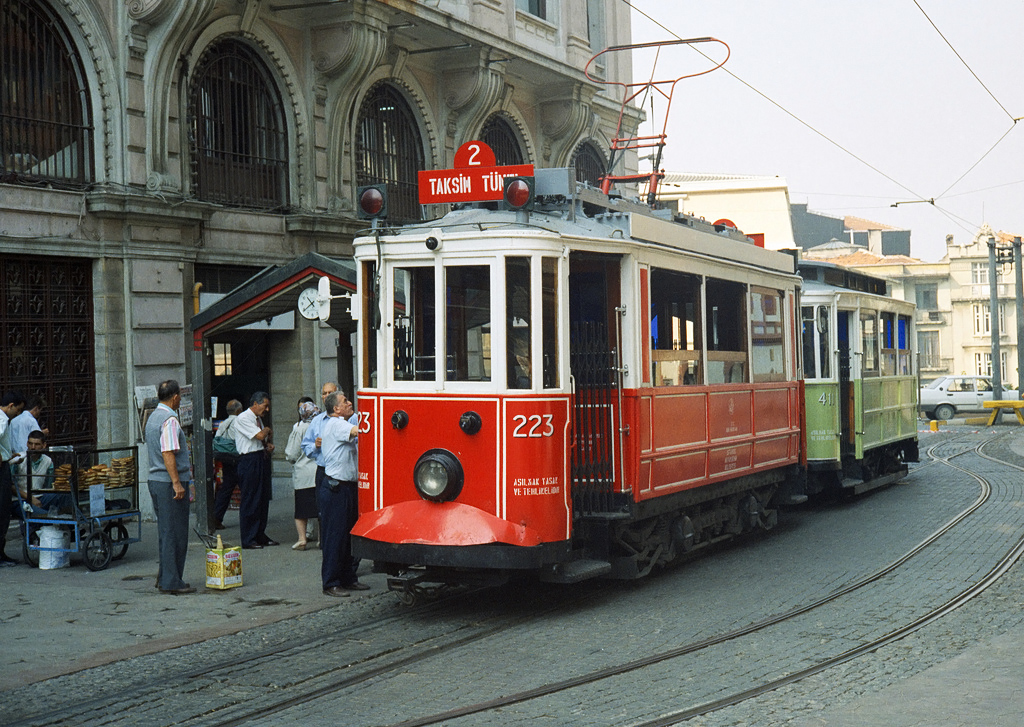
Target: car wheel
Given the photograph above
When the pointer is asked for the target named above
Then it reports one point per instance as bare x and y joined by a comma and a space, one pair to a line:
944, 411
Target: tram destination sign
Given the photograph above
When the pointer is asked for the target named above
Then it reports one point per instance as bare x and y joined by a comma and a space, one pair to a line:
475, 177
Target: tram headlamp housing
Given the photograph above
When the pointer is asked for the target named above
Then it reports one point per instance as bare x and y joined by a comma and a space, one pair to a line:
438, 476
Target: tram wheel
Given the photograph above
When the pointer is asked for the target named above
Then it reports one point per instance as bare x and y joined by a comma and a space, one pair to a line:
118, 535
97, 550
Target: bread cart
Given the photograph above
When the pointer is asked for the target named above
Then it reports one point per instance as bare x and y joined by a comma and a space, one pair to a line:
99, 510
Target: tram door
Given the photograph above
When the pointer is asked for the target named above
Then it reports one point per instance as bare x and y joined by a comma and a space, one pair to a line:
847, 444
594, 294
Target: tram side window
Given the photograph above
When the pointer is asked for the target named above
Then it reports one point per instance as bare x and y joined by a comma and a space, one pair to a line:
468, 323
888, 344
517, 322
810, 365
675, 328
370, 306
414, 345
767, 355
824, 328
726, 329
549, 312
906, 363
869, 342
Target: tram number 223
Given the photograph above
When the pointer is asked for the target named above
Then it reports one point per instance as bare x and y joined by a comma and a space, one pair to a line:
537, 425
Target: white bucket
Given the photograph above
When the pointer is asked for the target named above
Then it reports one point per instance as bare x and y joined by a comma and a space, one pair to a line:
54, 537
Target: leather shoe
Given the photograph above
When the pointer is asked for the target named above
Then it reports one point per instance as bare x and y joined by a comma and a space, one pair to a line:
184, 589
336, 591
219, 526
268, 542
357, 586
254, 546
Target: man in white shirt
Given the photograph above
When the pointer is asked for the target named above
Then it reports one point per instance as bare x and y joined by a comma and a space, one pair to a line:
27, 422
11, 406
252, 440
41, 469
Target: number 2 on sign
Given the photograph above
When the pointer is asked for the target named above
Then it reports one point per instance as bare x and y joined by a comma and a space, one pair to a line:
533, 426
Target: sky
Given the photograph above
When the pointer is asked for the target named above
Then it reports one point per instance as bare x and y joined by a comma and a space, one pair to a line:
859, 105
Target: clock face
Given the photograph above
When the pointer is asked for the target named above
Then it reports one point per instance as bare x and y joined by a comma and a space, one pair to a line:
309, 304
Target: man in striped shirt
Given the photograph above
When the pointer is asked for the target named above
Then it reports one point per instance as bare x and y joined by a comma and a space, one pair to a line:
169, 476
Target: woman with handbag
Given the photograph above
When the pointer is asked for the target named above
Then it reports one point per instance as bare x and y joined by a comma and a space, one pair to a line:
303, 472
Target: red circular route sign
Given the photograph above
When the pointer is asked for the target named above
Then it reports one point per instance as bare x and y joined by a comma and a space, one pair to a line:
474, 154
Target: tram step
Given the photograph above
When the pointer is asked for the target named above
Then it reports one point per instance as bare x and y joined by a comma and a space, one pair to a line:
576, 571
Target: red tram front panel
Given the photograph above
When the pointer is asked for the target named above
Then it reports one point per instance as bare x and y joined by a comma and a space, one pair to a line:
516, 488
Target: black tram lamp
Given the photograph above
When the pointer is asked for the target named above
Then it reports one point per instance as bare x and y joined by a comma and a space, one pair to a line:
372, 202
518, 193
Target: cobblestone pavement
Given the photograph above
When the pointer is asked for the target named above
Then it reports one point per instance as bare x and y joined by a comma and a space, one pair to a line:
524, 635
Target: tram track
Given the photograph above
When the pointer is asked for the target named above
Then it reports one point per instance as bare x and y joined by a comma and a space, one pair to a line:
389, 662
691, 648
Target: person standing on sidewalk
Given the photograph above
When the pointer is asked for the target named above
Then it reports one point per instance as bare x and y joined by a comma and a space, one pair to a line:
10, 406
252, 440
303, 473
336, 495
27, 422
228, 465
311, 439
169, 477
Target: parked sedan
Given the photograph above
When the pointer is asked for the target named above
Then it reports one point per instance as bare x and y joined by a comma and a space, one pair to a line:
950, 395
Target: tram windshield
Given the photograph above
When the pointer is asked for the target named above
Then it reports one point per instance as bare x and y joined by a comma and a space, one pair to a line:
453, 307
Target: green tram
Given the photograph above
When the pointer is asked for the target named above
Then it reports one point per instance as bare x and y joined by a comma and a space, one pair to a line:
861, 386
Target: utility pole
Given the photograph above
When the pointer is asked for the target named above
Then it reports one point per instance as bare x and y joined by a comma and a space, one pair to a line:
1019, 280
993, 322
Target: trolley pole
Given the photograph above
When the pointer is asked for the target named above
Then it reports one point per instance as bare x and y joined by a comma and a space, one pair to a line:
993, 322
1018, 274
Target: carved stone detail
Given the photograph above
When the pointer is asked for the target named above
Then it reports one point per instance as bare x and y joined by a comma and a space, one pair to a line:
348, 50
149, 12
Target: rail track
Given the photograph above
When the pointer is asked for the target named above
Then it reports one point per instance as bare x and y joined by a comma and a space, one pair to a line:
442, 639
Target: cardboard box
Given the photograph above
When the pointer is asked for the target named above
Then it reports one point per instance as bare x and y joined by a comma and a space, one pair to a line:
224, 567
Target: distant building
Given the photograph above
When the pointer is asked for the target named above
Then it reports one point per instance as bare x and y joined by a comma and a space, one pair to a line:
952, 295
811, 229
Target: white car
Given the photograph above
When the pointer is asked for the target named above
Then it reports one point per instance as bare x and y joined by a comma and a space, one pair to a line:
949, 395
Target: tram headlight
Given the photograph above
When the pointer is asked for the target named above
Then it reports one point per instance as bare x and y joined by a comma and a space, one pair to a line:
438, 476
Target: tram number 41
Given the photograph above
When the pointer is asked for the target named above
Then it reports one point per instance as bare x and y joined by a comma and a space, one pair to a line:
533, 426
827, 398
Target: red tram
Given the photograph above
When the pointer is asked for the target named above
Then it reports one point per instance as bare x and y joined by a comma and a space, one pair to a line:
585, 388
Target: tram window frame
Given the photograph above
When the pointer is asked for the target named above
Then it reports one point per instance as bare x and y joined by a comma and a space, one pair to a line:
824, 339
887, 339
549, 280
767, 335
419, 301
518, 322
906, 358
727, 354
809, 339
869, 343
676, 335
370, 310
465, 344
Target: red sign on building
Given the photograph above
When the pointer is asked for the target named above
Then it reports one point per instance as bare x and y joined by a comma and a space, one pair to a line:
474, 178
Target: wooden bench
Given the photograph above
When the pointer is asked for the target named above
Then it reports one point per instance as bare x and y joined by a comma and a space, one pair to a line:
997, 406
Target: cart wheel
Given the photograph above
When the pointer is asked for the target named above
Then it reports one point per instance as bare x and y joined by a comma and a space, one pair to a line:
31, 538
97, 550
118, 535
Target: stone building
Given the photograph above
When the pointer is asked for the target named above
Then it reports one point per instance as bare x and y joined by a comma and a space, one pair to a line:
156, 155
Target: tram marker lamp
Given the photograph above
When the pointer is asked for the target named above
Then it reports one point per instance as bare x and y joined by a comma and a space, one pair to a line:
372, 202
519, 193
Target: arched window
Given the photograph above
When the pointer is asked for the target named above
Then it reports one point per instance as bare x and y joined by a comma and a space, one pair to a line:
46, 130
239, 148
503, 140
589, 163
389, 150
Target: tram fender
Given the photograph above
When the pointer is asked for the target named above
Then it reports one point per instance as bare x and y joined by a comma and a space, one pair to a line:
440, 523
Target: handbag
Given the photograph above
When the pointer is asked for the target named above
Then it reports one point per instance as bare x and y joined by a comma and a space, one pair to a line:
224, 449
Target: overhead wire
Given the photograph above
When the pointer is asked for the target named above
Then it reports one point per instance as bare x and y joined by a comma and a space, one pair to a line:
919, 197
